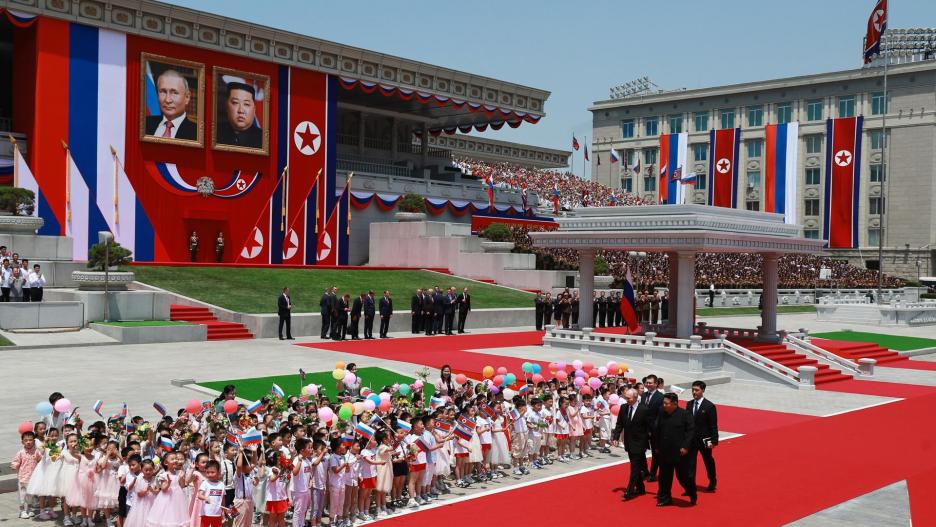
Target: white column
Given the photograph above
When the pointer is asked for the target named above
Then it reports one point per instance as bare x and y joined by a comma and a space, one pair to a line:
769, 296
673, 289
586, 287
685, 264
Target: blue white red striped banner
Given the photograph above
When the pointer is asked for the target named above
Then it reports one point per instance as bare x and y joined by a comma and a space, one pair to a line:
780, 170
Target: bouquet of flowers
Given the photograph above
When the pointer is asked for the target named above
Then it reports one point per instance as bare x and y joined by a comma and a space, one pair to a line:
54, 452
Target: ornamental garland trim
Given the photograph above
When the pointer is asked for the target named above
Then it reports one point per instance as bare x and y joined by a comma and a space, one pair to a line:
435, 206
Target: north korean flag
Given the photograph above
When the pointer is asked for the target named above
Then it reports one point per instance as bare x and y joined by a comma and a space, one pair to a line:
723, 167
843, 179
877, 23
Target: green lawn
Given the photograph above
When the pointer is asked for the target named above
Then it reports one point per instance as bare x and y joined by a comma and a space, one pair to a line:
254, 290
5, 341
721, 311
256, 387
893, 342
144, 323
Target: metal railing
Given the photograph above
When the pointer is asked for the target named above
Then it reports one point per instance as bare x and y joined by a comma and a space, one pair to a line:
348, 139
354, 165
377, 143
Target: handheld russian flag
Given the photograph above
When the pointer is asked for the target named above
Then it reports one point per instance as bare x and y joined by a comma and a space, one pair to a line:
166, 443
256, 407
404, 425
422, 445
364, 430
277, 391
160, 409
524, 389
436, 402
514, 414
124, 411
347, 440
251, 437
97, 407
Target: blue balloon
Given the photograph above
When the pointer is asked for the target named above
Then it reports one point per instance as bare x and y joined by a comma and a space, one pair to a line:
526, 367
374, 397
44, 408
509, 379
536, 368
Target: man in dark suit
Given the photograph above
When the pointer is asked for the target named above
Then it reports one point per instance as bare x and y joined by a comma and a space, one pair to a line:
356, 316
416, 312
654, 401
448, 301
369, 313
575, 308
325, 311
594, 320
602, 310
674, 434
464, 307
284, 309
239, 127
428, 311
386, 311
439, 316
341, 312
547, 310
538, 310
706, 434
633, 431
172, 90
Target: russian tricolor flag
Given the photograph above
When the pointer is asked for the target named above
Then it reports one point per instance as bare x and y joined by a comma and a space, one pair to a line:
404, 425
160, 409
629, 304
277, 391
251, 437
364, 430
256, 407
166, 443
614, 156
673, 150
780, 170
97, 407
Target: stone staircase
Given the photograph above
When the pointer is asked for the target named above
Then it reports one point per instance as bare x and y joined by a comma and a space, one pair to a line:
217, 330
793, 360
858, 350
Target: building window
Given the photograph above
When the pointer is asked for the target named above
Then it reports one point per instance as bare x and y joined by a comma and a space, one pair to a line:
812, 207
877, 173
629, 156
814, 110
700, 151
812, 234
675, 124
627, 128
846, 106
813, 176
755, 116
813, 144
878, 104
784, 113
874, 239
650, 126
877, 141
701, 122
650, 156
753, 179
876, 206
649, 184
754, 147
727, 119
752, 205
627, 184
701, 181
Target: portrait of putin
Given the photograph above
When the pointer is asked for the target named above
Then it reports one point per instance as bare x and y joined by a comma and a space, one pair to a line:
174, 94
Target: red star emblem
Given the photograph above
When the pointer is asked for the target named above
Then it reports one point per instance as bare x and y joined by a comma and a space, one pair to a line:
308, 137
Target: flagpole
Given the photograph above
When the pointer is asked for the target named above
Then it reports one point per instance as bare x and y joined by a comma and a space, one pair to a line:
16, 154
885, 156
67, 182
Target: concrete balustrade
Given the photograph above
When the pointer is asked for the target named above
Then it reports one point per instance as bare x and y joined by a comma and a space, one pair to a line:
866, 367
807, 377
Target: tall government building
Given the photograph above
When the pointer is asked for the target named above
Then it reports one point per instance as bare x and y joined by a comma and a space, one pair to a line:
633, 126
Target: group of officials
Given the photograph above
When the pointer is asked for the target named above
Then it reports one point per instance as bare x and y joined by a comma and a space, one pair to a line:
341, 317
433, 310
654, 421
563, 310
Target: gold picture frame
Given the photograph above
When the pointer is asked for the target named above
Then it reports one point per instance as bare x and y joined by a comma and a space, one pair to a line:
190, 131
241, 114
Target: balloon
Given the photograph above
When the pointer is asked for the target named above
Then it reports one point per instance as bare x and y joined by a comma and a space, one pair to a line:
526, 367
536, 368
562, 375
461, 379
384, 396
45, 408
358, 408
405, 389
374, 398
62, 406
579, 381
585, 390
384, 405
577, 364
499, 380
623, 367
418, 384
313, 389
580, 373
509, 394
537, 378
494, 389
345, 413
612, 366
349, 378
614, 399
553, 367
487, 372
325, 414
193, 406
595, 383
305, 390
593, 372
560, 365
369, 405
615, 409
340, 365
338, 374
25, 426
230, 407
587, 365
510, 379
602, 371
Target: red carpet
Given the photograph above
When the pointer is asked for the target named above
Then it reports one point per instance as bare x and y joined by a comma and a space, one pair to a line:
922, 488
859, 350
768, 478
911, 364
884, 389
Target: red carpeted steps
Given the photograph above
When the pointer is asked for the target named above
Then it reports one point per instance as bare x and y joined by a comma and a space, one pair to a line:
793, 360
858, 350
487, 281
217, 330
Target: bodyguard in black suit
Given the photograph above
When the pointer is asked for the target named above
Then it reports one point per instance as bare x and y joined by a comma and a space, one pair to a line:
369, 312
654, 401
356, 307
575, 308
464, 307
633, 431
602, 310
538, 311
438, 302
416, 312
675, 432
284, 309
705, 440
325, 311
547, 310
386, 311
428, 313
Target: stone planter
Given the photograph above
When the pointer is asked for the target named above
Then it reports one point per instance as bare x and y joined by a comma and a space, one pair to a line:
496, 247
603, 281
20, 224
94, 280
410, 216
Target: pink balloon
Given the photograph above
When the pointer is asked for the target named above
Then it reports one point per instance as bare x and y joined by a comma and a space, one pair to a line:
230, 407
585, 390
560, 365
369, 405
595, 383
418, 384
25, 426
577, 364
537, 378
349, 377
325, 414
593, 372
587, 365
193, 406
562, 375
579, 381
461, 379
616, 409
502, 370
612, 367
384, 396
63, 406
384, 405
614, 399
498, 380
602, 371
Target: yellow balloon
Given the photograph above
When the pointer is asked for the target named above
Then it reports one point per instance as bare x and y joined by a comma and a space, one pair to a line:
488, 372
338, 375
